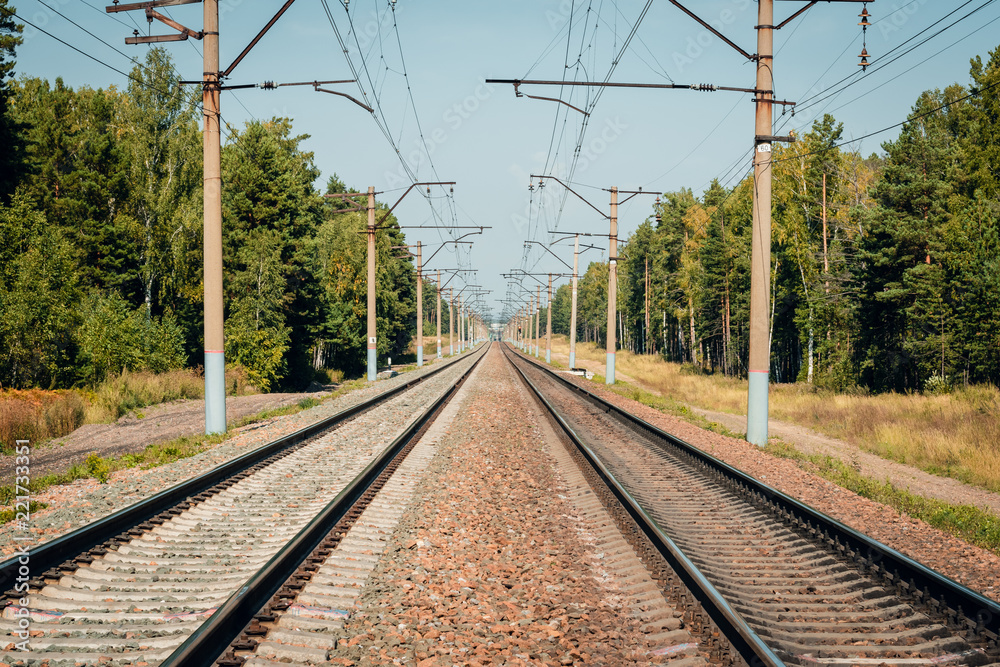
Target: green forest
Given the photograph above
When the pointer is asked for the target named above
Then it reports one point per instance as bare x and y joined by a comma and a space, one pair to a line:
101, 240
898, 290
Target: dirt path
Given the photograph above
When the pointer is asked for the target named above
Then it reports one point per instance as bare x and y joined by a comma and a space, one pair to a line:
809, 441
159, 423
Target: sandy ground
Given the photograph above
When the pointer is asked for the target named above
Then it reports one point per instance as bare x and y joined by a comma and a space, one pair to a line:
809, 441
159, 423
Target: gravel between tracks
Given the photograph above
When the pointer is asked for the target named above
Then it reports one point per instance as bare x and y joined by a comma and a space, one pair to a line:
73, 505
969, 565
490, 564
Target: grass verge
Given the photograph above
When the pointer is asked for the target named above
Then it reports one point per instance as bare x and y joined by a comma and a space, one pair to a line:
948, 434
967, 522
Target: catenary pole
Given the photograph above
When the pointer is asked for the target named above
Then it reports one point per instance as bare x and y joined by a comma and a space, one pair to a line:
420, 308
548, 326
215, 358
609, 377
760, 254
372, 340
538, 323
572, 316
438, 325
451, 321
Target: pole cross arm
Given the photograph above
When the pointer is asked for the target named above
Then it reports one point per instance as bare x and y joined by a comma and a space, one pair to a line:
413, 185
526, 243
152, 14
518, 93
581, 197
634, 193
150, 4
355, 100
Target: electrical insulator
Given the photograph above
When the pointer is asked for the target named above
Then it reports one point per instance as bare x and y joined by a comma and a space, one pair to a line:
864, 18
864, 15
268, 85
706, 87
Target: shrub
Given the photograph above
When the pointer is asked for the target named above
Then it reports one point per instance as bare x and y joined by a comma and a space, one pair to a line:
112, 339
37, 415
97, 467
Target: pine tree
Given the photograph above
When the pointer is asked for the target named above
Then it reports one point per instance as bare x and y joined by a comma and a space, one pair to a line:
12, 155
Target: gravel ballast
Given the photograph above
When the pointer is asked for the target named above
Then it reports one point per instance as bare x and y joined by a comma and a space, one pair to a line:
73, 505
969, 565
491, 565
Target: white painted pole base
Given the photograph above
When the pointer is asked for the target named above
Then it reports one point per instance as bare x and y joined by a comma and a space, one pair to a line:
548, 356
215, 392
371, 364
757, 409
609, 374
420, 357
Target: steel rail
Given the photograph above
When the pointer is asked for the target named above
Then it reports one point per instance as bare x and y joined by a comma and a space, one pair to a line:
740, 635
214, 636
53, 553
909, 578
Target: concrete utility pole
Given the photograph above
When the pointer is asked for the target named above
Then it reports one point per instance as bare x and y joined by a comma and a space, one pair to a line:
215, 344
760, 252
612, 268
538, 317
451, 322
438, 326
548, 326
420, 308
609, 377
572, 315
212, 86
372, 339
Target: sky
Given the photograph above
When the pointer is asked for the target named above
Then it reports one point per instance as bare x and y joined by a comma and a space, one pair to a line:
423, 67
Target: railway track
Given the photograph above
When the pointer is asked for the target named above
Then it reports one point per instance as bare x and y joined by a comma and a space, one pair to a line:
783, 583
196, 562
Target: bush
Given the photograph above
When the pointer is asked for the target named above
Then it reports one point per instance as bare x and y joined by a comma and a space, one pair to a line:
37, 415
97, 468
113, 339
937, 385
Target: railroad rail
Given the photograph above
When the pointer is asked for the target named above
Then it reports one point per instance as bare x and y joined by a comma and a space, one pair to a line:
169, 576
784, 583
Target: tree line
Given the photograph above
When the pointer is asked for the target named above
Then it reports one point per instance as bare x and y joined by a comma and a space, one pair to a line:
101, 240
885, 270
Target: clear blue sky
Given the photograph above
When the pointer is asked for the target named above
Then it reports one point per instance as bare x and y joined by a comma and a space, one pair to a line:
489, 141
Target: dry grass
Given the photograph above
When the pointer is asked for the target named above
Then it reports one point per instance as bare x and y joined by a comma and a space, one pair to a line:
36, 414
119, 395
957, 435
